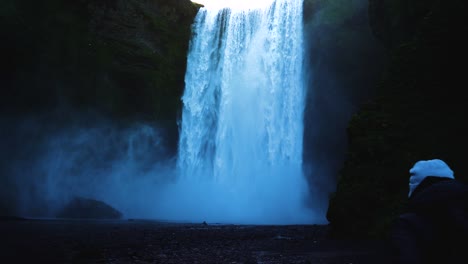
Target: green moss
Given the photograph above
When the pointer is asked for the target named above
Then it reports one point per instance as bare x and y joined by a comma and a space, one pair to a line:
8, 9
332, 12
123, 58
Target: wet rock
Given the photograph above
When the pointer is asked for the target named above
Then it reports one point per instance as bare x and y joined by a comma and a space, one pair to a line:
80, 207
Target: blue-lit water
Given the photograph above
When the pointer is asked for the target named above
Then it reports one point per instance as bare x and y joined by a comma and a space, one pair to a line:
241, 140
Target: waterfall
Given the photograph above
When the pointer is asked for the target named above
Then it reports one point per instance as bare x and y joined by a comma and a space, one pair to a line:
241, 132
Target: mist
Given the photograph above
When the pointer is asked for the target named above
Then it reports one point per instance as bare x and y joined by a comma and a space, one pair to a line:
130, 167
48, 159
47, 163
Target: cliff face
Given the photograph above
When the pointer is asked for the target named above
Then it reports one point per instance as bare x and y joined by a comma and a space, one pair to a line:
122, 58
344, 62
65, 64
418, 113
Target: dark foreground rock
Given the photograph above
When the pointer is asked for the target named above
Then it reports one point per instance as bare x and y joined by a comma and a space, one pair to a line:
137, 241
80, 207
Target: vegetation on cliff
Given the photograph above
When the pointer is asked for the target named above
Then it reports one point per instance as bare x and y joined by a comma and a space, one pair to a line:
418, 113
122, 58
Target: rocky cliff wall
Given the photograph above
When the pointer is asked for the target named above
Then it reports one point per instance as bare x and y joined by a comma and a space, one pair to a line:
126, 59
418, 113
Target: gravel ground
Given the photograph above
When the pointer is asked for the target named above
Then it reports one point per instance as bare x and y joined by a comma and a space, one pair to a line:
140, 241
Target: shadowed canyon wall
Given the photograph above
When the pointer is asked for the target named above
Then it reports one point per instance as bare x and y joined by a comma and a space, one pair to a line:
344, 61
418, 112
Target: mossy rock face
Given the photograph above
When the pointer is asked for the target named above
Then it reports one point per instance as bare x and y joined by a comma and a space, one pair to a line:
418, 114
147, 43
396, 21
122, 58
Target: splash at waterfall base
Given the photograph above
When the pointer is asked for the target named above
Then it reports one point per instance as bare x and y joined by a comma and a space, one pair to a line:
228, 203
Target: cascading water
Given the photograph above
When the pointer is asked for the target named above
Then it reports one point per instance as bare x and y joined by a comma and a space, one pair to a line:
242, 122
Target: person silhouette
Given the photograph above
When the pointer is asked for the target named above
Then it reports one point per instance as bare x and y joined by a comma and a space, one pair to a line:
434, 226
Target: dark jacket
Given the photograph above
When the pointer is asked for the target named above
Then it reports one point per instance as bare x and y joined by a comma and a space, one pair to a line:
434, 227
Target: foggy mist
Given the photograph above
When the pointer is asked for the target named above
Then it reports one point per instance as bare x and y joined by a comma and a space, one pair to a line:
128, 168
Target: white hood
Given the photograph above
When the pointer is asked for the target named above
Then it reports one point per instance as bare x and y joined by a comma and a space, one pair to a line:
424, 168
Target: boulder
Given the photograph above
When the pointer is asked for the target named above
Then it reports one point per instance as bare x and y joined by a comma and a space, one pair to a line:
84, 208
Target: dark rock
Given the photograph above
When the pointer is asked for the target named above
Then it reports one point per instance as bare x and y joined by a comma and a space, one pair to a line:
345, 62
83, 208
416, 114
124, 58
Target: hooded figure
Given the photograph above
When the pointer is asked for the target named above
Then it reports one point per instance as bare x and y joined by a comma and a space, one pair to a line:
428, 168
436, 216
